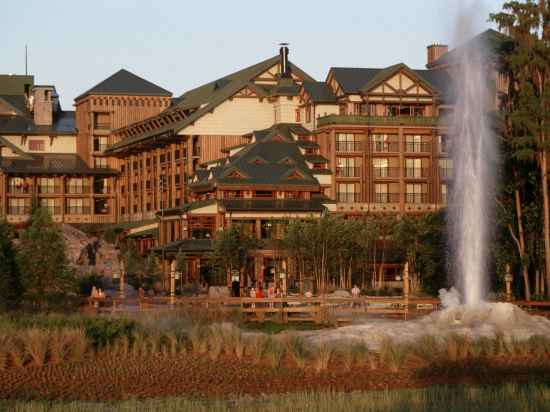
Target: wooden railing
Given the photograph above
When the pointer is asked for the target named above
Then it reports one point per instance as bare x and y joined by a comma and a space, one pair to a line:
288, 309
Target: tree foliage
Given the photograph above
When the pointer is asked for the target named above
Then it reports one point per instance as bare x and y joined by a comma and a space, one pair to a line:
11, 287
42, 261
231, 249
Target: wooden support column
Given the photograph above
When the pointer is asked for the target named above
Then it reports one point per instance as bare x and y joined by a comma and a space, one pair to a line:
402, 186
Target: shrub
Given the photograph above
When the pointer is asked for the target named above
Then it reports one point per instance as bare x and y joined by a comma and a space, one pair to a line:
321, 356
15, 352
255, 348
297, 349
78, 344
393, 354
102, 331
216, 342
197, 337
59, 345
274, 352
35, 343
360, 352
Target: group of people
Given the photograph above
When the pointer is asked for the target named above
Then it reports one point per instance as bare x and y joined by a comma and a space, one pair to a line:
97, 293
272, 292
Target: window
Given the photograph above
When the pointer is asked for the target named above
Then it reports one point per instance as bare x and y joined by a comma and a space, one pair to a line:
385, 167
348, 142
77, 186
297, 116
77, 206
50, 204
47, 95
47, 185
414, 168
18, 206
37, 145
148, 184
382, 143
122, 168
100, 162
266, 194
445, 167
347, 167
444, 193
381, 193
102, 121
101, 207
122, 190
100, 143
347, 193
417, 192
148, 162
416, 144
308, 113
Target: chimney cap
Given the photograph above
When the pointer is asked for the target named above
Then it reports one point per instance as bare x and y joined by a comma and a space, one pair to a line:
284, 44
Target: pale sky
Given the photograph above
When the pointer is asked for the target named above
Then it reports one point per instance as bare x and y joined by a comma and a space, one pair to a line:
178, 45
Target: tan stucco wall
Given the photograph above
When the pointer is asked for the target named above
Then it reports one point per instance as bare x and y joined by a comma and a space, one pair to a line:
60, 144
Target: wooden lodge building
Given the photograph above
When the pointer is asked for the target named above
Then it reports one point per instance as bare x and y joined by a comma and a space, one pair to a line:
257, 147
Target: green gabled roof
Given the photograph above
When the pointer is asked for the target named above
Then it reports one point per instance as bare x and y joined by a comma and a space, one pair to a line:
315, 158
186, 245
384, 74
206, 98
124, 82
490, 41
52, 164
272, 170
319, 92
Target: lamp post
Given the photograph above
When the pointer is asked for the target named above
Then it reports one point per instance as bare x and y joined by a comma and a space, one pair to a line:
508, 278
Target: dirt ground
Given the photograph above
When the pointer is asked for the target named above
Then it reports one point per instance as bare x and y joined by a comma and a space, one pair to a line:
194, 376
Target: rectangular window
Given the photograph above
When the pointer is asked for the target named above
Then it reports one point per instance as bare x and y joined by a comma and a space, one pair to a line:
122, 168
297, 116
102, 121
383, 143
18, 185
445, 168
348, 167
385, 167
381, 193
443, 143
308, 113
17, 206
77, 186
348, 142
416, 143
100, 143
100, 162
37, 145
77, 206
347, 193
417, 193
414, 168
47, 185
444, 193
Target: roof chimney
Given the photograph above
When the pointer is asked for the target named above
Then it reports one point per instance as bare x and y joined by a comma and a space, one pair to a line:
435, 51
283, 53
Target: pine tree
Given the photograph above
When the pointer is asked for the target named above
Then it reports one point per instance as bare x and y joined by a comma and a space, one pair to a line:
11, 289
42, 261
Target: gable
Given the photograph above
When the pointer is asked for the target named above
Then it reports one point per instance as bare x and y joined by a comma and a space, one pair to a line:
402, 83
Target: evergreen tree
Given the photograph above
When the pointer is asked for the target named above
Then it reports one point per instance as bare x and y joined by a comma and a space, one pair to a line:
42, 261
11, 288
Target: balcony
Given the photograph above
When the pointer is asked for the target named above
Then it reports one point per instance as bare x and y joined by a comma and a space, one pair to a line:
19, 210
19, 190
100, 147
386, 172
417, 172
445, 172
44, 190
416, 198
78, 210
378, 120
348, 171
417, 147
348, 197
386, 197
102, 126
348, 147
78, 190
385, 147
53, 210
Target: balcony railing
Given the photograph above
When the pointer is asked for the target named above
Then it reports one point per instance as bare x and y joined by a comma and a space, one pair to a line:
385, 147
416, 172
102, 126
49, 189
351, 171
78, 210
348, 197
350, 146
378, 120
417, 147
19, 210
416, 197
19, 190
78, 190
386, 197
54, 210
383, 172
100, 147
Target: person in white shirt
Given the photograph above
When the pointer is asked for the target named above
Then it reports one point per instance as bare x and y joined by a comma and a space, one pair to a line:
355, 292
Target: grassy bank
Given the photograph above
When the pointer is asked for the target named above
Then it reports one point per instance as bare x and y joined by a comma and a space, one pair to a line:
453, 398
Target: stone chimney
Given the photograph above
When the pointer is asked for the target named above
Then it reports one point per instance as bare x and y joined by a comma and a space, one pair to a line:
42, 105
435, 51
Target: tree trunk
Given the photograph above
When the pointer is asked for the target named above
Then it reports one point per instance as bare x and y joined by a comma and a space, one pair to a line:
546, 212
521, 240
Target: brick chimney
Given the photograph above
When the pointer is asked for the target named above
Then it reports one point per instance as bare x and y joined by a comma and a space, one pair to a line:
435, 51
43, 105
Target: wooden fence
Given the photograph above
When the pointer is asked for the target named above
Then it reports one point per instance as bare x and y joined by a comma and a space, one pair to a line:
288, 309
